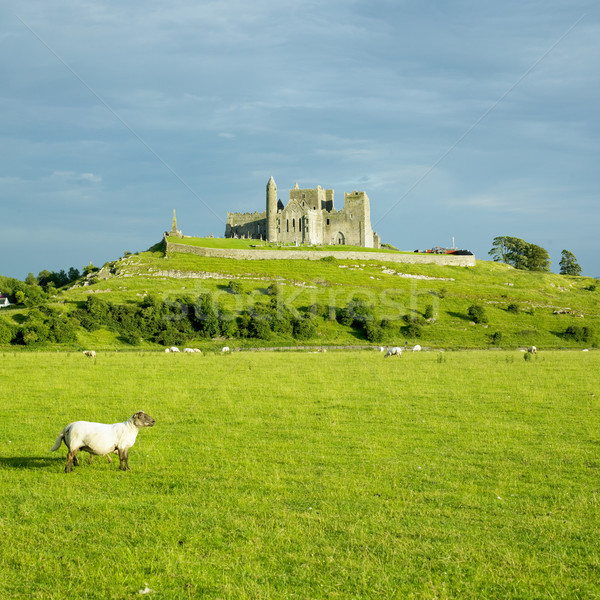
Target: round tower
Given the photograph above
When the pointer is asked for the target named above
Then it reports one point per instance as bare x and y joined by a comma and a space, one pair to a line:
272, 210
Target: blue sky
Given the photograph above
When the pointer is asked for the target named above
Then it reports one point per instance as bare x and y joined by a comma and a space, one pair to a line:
464, 119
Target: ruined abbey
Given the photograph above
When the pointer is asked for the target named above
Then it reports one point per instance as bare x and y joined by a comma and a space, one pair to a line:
308, 218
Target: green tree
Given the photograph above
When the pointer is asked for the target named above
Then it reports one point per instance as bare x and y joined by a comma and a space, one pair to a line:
206, 316
568, 264
519, 254
537, 258
31, 279
73, 274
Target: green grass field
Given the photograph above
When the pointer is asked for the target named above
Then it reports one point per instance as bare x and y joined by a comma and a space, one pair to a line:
296, 475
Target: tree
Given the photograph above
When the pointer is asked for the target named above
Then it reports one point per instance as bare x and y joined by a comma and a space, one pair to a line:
31, 279
568, 264
538, 258
520, 254
73, 274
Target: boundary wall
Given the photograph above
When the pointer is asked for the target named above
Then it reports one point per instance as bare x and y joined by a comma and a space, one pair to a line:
415, 259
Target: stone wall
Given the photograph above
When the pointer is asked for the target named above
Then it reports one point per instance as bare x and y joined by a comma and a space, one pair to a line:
423, 259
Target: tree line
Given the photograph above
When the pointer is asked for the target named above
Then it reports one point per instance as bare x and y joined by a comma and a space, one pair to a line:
530, 257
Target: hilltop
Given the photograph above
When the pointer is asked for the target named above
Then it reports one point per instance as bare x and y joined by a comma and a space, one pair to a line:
150, 299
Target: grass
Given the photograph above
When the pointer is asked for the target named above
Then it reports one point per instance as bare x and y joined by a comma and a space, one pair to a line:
286, 475
243, 244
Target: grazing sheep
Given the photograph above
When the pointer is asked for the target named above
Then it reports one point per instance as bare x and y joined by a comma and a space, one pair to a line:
188, 350
89, 353
532, 350
98, 438
395, 351
416, 348
174, 349
225, 349
167, 350
381, 349
197, 350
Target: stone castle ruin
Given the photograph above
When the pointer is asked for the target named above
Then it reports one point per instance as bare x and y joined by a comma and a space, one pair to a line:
308, 218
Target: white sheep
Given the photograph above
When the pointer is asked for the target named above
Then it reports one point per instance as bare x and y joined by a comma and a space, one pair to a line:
197, 350
532, 350
416, 348
89, 353
98, 438
189, 350
167, 350
174, 349
395, 351
225, 349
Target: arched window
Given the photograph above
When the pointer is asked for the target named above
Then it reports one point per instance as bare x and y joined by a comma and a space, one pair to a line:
287, 223
299, 224
293, 224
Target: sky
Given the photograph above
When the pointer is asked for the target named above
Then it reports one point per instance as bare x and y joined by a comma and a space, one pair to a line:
462, 120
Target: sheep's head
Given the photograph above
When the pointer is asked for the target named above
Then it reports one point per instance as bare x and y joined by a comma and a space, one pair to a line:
141, 419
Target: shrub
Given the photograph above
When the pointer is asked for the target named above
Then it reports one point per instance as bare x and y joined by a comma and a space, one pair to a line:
7, 332
344, 317
579, 333
374, 331
428, 314
206, 316
513, 308
228, 325
259, 327
412, 329
304, 328
234, 287
477, 314
360, 312
413, 318
496, 338
274, 290
319, 310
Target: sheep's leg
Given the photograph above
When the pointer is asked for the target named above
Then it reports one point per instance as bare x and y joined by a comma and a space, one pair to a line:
109, 458
90, 459
75, 460
124, 459
70, 458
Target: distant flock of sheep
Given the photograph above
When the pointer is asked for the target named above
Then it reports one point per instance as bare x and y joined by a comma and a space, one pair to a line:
393, 351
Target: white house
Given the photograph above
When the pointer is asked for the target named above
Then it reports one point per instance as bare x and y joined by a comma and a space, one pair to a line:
3, 301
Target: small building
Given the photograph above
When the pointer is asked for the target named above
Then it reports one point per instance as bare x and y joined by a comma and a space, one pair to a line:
4, 301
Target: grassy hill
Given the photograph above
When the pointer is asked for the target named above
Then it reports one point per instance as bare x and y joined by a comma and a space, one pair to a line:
522, 308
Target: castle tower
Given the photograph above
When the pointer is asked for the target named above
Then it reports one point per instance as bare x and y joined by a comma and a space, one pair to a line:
272, 210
